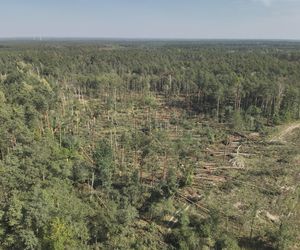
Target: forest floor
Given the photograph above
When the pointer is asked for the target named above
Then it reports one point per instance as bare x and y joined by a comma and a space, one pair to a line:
284, 131
263, 193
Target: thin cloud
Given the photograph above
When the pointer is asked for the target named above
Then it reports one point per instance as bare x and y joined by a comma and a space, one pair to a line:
268, 3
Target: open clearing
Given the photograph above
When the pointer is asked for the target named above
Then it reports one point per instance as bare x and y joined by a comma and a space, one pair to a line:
284, 131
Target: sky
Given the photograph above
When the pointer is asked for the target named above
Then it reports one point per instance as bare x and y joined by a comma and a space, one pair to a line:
168, 19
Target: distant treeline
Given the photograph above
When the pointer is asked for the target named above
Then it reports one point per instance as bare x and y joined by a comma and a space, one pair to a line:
253, 77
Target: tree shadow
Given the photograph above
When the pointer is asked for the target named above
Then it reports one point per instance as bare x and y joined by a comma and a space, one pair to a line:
255, 244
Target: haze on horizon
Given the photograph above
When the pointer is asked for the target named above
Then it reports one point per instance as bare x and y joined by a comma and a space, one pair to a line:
188, 19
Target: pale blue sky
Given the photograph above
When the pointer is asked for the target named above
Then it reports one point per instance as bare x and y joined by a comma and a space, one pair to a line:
245, 19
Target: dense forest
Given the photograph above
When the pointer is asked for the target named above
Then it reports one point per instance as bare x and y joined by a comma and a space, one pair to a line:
149, 145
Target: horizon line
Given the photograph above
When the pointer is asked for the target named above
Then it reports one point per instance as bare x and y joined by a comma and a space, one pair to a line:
45, 38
